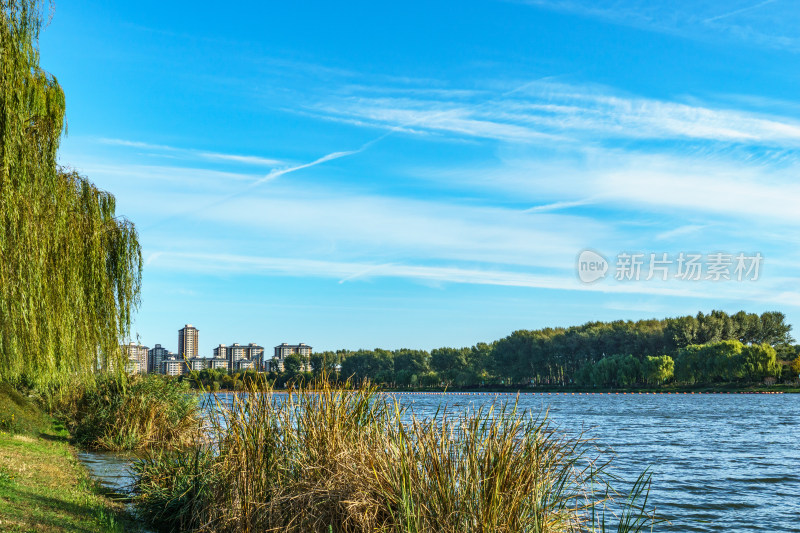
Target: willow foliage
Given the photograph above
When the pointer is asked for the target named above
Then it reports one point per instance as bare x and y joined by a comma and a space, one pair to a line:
70, 270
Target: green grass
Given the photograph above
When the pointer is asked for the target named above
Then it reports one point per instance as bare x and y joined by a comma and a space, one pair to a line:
20, 414
43, 487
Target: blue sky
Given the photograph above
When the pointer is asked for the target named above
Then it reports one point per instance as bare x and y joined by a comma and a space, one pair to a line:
413, 175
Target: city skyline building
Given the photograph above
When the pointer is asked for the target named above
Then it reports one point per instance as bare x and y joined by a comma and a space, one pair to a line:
221, 351
198, 363
218, 363
188, 341
231, 357
155, 357
174, 366
284, 350
137, 357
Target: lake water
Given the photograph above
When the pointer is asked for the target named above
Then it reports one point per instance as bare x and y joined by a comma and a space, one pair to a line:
719, 462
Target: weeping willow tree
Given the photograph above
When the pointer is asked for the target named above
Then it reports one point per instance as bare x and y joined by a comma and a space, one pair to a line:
70, 270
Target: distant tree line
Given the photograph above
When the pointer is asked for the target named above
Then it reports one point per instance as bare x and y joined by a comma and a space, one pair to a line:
708, 349
623, 353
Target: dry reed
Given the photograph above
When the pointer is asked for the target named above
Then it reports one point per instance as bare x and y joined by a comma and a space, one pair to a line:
342, 460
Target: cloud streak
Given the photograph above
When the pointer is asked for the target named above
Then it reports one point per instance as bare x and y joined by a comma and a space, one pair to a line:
227, 264
190, 153
767, 24
274, 174
557, 206
547, 112
739, 11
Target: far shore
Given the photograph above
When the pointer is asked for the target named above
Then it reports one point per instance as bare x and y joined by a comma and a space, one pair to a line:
543, 390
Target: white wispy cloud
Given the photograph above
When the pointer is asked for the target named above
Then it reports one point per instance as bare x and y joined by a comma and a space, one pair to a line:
166, 174
695, 186
766, 23
543, 112
556, 206
739, 11
191, 153
227, 264
530, 241
731, 194
680, 231
276, 173
352, 222
390, 228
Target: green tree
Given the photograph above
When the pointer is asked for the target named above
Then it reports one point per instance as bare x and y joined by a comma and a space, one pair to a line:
70, 269
629, 370
658, 369
429, 379
292, 365
689, 365
758, 361
449, 363
774, 329
748, 327
723, 360
479, 363
604, 372
414, 361
323, 362
583, 376
795, 367
376, 366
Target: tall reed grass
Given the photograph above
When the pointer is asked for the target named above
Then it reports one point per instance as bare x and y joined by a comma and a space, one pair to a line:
132, 413
339, 460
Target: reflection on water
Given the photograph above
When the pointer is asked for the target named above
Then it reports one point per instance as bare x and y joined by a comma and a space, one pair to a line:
111, 470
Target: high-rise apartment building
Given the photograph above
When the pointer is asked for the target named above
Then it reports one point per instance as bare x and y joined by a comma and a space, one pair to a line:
198, 363
155, 357
238, 357
174, 366
137, 357
218, 363
188, 341
236, 352
247, 364
288, 349
281, 351
255, 352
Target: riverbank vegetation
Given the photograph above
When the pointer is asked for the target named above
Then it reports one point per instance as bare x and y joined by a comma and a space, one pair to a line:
132, 414
42, 485
345, 460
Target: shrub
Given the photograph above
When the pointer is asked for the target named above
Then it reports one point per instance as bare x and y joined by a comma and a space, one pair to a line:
131, 413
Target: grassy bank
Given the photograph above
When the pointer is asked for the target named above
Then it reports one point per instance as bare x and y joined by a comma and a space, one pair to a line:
348, 461
43, 487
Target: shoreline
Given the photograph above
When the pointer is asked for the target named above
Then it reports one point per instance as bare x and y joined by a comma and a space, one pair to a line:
748, 390
43, 484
